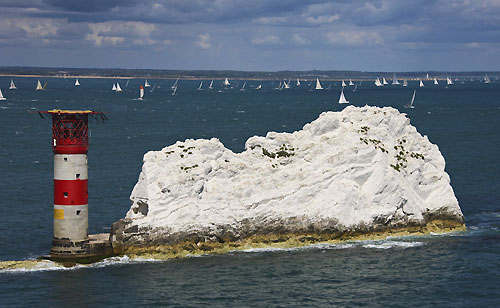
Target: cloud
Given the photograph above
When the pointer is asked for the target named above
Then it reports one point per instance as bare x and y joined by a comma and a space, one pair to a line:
473, 45
354, 38
305, 30
203, 41
267, 40
114, 33
318, 20
299, 39
273, 20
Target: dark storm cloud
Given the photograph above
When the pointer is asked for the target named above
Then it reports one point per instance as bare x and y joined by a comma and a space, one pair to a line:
87, 6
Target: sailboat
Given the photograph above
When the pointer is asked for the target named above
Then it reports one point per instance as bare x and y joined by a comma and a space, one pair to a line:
378, 83
384, 82
436, 81
39, 85
174, 90
318, 85
146, 84
448, 81
342, 99
1, 96
286, 85
394, 80
243, 88
410, 105
258, 87
421, 84
350, 82
118, 88
154, 86
298, 82
343, 84
405, 83
210, 87
486, 79
200, 87
175, 83
141, 93
427, 76
12, 85
114, 87
77, 83
226, 82
126, 85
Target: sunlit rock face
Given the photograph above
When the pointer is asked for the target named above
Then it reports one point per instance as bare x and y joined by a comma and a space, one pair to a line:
359, 170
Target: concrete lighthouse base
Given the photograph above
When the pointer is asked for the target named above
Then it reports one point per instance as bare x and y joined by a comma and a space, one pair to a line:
95, 248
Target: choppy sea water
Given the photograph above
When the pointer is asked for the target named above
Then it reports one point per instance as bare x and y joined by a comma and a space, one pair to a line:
461, 269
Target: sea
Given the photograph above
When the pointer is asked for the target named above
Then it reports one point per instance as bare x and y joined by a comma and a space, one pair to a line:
439, 270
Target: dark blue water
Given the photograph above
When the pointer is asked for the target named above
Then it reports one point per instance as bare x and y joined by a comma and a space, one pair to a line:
459, 270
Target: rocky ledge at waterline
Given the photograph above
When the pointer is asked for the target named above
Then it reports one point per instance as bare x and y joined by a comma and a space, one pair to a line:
358, 172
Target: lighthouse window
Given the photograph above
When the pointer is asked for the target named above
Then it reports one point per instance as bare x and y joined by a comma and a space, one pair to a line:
78, 175
78, 212
65, 159
65, 194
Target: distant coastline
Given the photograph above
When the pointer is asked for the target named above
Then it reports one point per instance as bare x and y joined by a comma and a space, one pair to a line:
327, 75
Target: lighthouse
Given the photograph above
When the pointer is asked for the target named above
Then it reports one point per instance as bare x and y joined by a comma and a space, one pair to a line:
70, 144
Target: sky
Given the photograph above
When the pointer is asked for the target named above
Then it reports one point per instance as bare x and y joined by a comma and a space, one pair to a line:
252, 35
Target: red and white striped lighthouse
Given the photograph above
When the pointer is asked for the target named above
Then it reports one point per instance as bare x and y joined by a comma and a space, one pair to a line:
70, 139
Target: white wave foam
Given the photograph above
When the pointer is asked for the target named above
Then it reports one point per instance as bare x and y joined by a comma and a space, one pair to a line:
46, 265
319, 246
392, 244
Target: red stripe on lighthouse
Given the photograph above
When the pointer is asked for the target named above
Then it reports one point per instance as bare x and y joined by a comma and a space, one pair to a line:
70, 192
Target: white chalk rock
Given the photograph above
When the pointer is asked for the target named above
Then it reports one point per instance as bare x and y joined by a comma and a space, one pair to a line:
358, 169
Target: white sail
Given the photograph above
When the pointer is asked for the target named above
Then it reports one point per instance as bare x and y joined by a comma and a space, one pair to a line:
39, 85
448, 81
286, 85
114, 87
174, 90
318, 85
436, 81
175, 83
243, 88
141, 93
378, 83
126, 85
226, 82
486, 79
405, 83
200, 87
394, 80
342, 99
298, 82
118, 88
350, 82
410, 105
77, 83
384, 82
12, 85
211, 85
421, 83
258, 87
146, 84
427, 76
343, 84
1, 96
